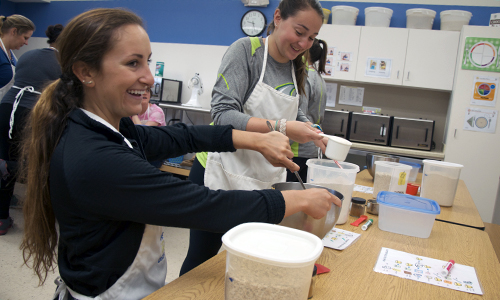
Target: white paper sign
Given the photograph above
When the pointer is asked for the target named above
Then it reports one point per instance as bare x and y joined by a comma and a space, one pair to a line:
378, 67
331, 94
339, 239
483, 120
484, 90
351, 95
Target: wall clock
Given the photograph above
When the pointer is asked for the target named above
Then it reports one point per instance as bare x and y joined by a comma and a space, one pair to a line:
253, 23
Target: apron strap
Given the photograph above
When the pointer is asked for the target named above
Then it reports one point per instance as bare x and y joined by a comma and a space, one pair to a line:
16, 103
264, 64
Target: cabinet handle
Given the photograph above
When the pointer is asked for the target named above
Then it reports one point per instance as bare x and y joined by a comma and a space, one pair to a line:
342, 126
397, 76
397, 132
382, 130
426, 132
408, 77
355, 125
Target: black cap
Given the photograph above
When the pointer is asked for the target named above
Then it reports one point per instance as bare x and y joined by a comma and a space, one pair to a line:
315, 271
358, 200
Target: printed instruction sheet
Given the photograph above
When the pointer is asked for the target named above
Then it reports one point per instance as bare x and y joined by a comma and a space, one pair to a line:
427, 270
351, 95
340, 239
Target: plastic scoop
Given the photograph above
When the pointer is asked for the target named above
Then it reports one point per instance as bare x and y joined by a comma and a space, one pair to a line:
337, 148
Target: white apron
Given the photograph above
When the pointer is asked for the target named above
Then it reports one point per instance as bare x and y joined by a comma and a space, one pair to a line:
6, 88
248, 169
145, 275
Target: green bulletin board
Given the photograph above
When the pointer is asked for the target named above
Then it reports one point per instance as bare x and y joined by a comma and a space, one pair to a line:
481, 54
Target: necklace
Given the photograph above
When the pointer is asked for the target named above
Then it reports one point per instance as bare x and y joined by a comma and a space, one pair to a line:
53, 49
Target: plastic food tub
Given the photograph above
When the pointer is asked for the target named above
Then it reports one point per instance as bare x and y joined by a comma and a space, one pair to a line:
420, 18
326, 15
414, 170
266, 261
378, 16
440, 181
453, 20
326, 173
344, 15
390, 176
406, 214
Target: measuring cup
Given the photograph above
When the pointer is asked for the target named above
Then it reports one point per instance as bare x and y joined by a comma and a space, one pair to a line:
337, 147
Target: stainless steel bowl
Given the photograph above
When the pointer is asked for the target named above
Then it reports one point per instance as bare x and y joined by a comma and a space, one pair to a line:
371, 158
301, 221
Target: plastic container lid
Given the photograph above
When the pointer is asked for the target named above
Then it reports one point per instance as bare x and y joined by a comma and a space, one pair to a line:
442, 163
458, 13
274, 244
346, 8
415, 165
358, 200
328, 165
408, 202
379, 9
421, 11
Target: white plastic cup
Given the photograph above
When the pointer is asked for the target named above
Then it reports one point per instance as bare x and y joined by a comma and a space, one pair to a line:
344, 15
453, 20
337, 147
440, 181
266, 261
390, 176
420, 18
378, 16
326, 173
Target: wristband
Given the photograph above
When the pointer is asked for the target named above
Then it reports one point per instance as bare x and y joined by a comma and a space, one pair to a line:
276, 126
283, 126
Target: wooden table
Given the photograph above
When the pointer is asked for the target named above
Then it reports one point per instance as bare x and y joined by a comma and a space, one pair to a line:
352, 275
463, 212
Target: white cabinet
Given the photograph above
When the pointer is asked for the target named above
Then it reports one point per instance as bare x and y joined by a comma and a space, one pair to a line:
346, 39
380, 42
419, 58
430, 59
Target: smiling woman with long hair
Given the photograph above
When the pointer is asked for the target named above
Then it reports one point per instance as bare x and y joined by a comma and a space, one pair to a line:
85, 163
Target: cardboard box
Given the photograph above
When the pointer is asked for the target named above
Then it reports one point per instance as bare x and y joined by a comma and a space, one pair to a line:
495, 20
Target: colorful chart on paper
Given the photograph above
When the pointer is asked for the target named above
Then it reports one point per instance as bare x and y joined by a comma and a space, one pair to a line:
427, 270
481, 54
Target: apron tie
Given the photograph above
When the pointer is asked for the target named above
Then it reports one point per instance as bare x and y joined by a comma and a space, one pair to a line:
16, 103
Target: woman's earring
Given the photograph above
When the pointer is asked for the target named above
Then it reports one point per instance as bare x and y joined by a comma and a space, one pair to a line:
87, 82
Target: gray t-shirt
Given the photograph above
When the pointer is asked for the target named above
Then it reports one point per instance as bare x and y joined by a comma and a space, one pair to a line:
36, 68
313, 104
237, 77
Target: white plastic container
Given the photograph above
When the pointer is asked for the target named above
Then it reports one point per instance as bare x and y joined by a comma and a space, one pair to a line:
337, 147
453, 20
406, 214
440, 181
344, 15
414, 170
420, 18
390, 176
266, 261
378, 16
326, 173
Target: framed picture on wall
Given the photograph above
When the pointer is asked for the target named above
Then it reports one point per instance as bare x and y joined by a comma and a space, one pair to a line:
171, 91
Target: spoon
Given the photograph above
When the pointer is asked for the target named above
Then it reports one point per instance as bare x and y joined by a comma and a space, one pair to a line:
296, 174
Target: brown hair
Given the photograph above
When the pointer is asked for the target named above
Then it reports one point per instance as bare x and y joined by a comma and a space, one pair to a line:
318, 52
289, 8
21, 23
87, 38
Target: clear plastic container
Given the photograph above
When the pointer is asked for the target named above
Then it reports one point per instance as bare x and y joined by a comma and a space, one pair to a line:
420, 18
266, 261
414, 170
440, 181
378, 16
344, 15
453, 20
406, 214
390, 176
326, 173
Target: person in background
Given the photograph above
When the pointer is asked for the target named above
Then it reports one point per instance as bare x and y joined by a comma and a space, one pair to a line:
259, 82
151, 114
84, 162
313, 104
35, 69
15, 31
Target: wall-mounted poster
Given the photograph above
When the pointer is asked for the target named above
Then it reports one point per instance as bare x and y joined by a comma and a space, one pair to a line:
484, 90
481, 54
378, 67
479, 119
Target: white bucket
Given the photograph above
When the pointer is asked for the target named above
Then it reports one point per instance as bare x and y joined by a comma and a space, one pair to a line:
344, 15
420, 18
453, 20
378, 16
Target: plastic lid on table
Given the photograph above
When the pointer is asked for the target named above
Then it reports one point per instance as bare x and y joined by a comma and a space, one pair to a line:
408, 202
442, 163
415, 165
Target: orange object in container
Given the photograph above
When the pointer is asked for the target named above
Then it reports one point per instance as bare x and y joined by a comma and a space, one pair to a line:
412, 189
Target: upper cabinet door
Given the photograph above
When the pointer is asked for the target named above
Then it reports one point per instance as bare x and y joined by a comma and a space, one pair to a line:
345, 39
431, 58
382, 43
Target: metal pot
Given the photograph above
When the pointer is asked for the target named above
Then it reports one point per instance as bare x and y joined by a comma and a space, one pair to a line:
372, 207
301, 221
